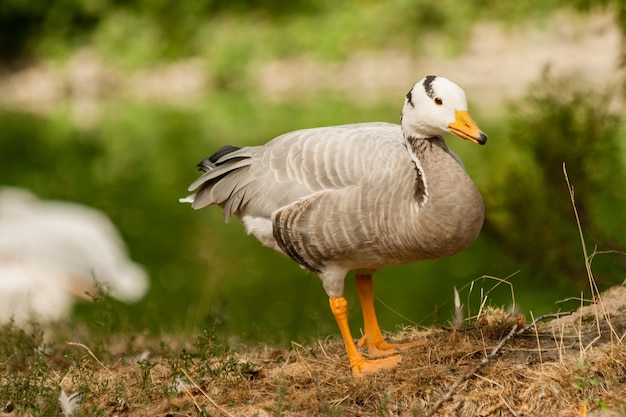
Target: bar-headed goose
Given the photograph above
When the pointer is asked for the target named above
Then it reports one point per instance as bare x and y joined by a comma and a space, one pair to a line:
356, 197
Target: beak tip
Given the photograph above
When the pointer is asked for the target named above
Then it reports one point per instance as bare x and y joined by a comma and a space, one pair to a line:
482, 139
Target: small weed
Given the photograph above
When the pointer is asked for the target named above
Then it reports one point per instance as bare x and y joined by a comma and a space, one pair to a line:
106, 316
334, 411
587, 383
384, 406
279, 405
146, 367
208, 345
584, 377
216, 359
22, 354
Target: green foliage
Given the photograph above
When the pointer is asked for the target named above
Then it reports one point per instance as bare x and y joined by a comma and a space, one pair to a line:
26, 25
617, 5
140, 33
560, 123
217, 360
29, 27
589, 382
23, 357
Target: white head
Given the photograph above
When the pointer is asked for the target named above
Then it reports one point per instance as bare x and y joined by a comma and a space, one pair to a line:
434, 106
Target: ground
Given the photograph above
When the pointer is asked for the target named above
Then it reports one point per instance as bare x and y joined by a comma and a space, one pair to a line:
570, 365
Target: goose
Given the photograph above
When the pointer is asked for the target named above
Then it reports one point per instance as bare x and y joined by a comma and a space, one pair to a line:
51, 254
356, 197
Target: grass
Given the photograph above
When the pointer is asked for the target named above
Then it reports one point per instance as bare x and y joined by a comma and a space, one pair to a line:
64, 369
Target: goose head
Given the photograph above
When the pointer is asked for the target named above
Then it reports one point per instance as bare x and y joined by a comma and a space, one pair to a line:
435, 106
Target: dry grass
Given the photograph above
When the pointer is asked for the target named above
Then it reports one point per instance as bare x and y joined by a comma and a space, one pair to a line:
544, 371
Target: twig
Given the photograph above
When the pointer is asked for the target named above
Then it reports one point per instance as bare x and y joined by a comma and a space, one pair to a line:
300, 359
472, 371
92, 355
205, 394
542, 318
514, 332
186, 389
491, 410
507, 405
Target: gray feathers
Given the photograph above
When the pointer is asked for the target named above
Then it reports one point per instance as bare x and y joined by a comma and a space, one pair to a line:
351, 194
359, 196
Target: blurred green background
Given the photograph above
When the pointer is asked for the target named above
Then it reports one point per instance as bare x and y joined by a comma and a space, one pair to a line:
111, 104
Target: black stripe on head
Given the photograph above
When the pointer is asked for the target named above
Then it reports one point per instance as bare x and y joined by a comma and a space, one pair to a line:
428, 85
409, 98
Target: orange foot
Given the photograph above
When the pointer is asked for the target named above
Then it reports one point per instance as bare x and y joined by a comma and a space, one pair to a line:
372, 366
378, 348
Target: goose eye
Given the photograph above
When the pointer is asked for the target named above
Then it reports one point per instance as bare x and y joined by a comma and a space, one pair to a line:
438, 101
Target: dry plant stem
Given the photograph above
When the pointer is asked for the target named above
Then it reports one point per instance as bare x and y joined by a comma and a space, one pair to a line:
537, 340
535, 321
595, 292
90, 353
484, 297
396, 312
592, 283
472, 371
205, 395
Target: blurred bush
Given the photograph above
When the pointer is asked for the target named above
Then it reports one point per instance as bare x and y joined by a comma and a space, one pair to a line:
27, 24
561, 122
143, 31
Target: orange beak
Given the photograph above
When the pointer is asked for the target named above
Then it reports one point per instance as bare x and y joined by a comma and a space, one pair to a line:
465, 127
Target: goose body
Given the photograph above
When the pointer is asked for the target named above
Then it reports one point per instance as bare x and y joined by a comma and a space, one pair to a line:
356, 197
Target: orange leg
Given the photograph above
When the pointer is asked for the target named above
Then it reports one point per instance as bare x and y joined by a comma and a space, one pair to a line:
360, 366
372, 337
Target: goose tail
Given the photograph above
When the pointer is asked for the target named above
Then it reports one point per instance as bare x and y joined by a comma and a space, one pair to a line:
223, 179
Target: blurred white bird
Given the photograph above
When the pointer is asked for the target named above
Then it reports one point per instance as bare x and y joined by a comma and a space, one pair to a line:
53, 252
